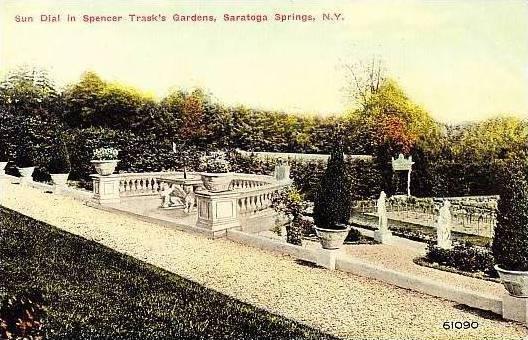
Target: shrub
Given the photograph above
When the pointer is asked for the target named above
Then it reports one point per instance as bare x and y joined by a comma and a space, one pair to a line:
332, 201
215, 162
353, 235
290, 202
463, 256
60, 160
510, 243
25, 153
21, 316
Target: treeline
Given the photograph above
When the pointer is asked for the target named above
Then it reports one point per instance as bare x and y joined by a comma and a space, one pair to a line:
450, 160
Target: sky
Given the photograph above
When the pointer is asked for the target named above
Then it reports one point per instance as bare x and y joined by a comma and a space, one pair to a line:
460, 60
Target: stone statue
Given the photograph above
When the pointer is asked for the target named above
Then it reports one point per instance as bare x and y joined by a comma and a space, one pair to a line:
443, 226
282, 170
174, 196
383, 234
382, 212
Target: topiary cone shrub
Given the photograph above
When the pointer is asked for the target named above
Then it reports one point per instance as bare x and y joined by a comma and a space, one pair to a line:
510, 244
60, 160
332, 200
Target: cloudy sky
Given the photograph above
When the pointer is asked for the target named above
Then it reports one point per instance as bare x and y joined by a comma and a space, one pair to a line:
461, 60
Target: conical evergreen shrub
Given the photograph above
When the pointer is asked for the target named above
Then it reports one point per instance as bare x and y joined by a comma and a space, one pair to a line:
333, 200
510, 244
60, 160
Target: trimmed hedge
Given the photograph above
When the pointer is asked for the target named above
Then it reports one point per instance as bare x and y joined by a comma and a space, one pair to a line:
463, 256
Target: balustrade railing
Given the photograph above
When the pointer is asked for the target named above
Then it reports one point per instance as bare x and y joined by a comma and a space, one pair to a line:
143, 184
257, 199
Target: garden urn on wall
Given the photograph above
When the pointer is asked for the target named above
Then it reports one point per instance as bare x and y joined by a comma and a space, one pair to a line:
332, 238
515, 282
105, 161
216, 176
26, 173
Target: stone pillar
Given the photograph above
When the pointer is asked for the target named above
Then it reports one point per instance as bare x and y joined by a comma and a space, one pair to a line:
515, 308
106, 189
217, 211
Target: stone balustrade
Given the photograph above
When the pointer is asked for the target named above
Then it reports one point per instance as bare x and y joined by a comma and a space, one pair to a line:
257, 199
142, 184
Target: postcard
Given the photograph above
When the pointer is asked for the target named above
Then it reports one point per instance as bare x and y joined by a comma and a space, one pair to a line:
263, 169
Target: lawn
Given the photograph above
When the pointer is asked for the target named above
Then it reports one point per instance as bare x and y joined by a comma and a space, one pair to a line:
93, 292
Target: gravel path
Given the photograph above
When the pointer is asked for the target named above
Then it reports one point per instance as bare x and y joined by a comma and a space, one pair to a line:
401, 259
339, 303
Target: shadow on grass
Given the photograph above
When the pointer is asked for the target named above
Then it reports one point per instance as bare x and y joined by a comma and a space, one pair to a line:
95, 292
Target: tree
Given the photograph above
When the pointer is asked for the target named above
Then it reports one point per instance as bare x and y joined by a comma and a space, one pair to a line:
510, 244
333, 201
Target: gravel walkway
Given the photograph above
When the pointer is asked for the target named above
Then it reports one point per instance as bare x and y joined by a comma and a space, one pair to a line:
339, 303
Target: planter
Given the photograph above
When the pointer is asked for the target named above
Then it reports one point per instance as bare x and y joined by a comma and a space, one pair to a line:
104, 167
2, 168
59, 179
217, 182
332, 238
26, 173
515, 282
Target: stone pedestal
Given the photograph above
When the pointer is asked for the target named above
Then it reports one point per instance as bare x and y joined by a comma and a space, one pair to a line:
383, 237
326, 258
106, 189
217, 210
514, 308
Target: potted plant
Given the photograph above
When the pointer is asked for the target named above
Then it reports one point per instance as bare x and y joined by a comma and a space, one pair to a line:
59, 166
25, 160
105, 160
290, 202
510, 243
333, 202
216, 175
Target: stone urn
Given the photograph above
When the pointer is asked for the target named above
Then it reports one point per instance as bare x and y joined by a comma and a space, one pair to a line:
332, 238
26, 174
515, 282
217, 182
2, 168
59, 180
104, 167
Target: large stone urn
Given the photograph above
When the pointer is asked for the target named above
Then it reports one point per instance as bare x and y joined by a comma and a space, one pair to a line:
105, 167
332, 238
26, 174
515, 282
59, 181
217, 182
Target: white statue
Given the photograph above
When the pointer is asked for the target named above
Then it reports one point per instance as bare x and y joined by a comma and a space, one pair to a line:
382, 212
174, 195
443, 226
383, 234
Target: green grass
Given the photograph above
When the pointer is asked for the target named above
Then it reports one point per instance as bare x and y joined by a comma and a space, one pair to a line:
93, 292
